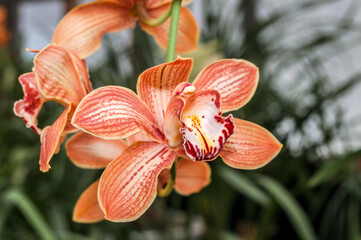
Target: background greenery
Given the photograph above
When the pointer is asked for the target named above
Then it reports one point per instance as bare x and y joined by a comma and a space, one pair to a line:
312, 190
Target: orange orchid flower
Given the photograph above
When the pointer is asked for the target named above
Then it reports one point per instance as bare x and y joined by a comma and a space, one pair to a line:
87, 151
182, 120
82, 28
58, 76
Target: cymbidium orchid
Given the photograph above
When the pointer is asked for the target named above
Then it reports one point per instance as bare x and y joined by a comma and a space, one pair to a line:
82, 28
87, 151
58, 76
181, 119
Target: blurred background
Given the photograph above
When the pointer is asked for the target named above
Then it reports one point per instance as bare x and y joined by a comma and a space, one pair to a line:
309, 97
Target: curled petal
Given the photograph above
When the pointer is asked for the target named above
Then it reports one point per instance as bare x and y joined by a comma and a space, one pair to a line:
128, 185
250, 147
114, 113
191, 176
50, 138
205, 131
172, 123
87, 209
57, 75
83, 72
81, 30
69, 128
235, 80
29, 107
188, 32
155, 85
165, 183
87, 151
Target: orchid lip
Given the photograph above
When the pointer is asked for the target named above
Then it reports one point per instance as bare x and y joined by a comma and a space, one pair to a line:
207, 152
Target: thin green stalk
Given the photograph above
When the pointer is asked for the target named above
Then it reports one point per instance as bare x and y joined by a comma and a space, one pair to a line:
158, 21
31, 213
175, 12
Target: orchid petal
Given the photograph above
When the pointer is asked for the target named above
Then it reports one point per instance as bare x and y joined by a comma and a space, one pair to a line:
188, 32
250, 147
51, 136
191, 176
57, 75
87, 209
69, 128
235, 80
87, 151
155, 85
114, 113
205, 131
29, 107
172, 125
128, 185
138, 137
80, 30
84, 73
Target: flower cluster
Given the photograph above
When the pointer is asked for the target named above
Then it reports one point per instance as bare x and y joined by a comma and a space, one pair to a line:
139, 137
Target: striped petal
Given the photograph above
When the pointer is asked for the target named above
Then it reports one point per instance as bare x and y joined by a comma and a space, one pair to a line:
57, 75
205, 131
50, 138
69, 128
172, 123
87, 209
191, 176
250, 147
138, 137
235, 80
188, 32
81, 30
155, 85
83, 72
114, 113
87, 151
128, 186
29, 107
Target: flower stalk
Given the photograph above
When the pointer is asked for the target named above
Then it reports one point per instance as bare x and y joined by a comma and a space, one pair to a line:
175, 12
158, 21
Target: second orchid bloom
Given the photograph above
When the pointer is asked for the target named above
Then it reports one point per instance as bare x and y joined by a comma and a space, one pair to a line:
180, 120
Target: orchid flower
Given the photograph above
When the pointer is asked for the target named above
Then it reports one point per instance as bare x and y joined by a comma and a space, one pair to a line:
82, 28
181, 119
58, 76
87, 151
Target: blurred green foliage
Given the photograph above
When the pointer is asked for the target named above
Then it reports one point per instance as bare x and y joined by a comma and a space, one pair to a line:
310, 191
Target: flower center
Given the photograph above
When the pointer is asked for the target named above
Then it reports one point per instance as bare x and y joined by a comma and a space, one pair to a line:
204, 129
140, 11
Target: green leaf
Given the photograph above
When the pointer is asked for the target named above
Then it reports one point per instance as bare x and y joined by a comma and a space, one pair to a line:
244, 185
31, 213
289, 204
333, 168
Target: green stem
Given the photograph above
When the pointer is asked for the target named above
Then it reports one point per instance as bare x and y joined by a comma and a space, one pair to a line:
30, 212
158, 21
175, 12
